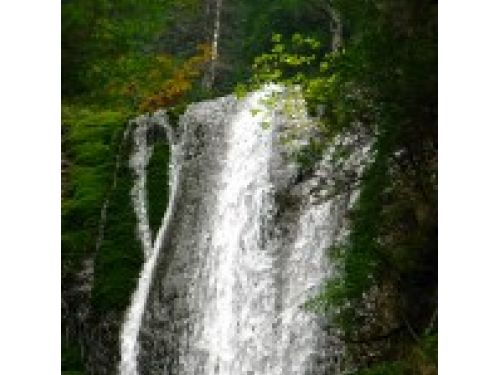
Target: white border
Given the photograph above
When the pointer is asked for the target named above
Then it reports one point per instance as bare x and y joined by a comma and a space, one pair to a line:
469, 187
30, 187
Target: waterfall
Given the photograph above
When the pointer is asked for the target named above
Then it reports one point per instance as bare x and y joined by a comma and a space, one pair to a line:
240, 296
224, 288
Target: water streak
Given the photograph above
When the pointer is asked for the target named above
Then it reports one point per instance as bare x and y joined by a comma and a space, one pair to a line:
139, 160
130, 330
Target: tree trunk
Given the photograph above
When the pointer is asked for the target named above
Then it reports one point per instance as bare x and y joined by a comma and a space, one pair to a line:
335, 29
210, 76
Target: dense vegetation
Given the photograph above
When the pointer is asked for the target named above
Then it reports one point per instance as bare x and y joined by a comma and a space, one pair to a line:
71, 361
368, 63
92, 142
383, 78
91, 138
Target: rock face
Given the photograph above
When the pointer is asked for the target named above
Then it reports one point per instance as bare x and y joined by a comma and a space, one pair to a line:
245, 247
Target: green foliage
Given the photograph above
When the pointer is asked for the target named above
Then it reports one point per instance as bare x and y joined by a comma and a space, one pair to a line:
384, 79
97, 32
90, 138
428, 349
284, 17
113, 53
385, 368
362, 258
119, 53
157, 177
288, 62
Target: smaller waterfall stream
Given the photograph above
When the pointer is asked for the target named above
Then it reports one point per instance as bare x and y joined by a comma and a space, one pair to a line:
130, 330
304, 272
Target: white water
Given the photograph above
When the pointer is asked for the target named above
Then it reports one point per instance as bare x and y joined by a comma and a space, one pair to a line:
129, 347
239, 297
304, 272
139, 160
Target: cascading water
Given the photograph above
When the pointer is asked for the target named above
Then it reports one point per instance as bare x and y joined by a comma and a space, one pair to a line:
239, 254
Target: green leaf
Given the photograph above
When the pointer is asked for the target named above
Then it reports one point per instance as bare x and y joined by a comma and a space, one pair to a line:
255, 111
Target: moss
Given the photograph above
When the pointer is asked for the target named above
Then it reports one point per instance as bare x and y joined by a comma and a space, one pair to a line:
157, 184
119, 260
386, 368
90, 138
71, 361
